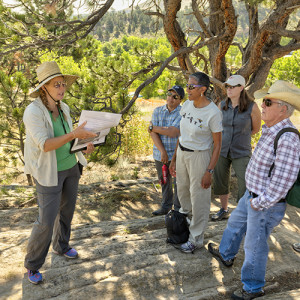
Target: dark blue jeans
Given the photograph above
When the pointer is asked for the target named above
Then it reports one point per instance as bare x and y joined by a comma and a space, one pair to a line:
168, 196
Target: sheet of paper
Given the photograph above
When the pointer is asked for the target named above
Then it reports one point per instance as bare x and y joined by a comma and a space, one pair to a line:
98, 122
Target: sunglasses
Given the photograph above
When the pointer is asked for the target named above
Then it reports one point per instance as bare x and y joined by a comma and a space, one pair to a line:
231, 86
58, 84
192, 86
176, 97
269, 102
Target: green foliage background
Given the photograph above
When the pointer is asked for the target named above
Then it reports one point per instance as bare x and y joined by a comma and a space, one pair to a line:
109, 65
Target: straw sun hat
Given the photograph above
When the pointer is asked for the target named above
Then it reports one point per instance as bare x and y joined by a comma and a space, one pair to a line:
47, 71
281, 90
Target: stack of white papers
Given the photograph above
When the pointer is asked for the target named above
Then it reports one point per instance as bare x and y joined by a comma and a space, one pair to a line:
98, 122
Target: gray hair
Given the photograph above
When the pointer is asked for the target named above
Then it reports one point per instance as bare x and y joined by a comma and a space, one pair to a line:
290, 108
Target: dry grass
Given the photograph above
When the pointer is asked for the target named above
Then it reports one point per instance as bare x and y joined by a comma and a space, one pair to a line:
295, 118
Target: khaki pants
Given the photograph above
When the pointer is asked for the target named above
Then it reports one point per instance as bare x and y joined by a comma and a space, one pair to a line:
190, 168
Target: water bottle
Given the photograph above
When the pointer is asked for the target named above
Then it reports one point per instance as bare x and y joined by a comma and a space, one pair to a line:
165, 172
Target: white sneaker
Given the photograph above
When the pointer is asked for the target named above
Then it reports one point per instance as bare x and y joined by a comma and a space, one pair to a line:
188, 247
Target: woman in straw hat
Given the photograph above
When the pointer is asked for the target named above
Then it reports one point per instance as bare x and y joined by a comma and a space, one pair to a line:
55, 170
241, 119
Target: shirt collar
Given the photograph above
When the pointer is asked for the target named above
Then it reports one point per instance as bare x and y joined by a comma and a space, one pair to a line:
174, 110
278, 126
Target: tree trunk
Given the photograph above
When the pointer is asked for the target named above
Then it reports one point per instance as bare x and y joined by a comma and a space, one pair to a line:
173, 30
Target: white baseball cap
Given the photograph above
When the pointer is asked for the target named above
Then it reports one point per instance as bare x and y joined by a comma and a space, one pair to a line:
234, 80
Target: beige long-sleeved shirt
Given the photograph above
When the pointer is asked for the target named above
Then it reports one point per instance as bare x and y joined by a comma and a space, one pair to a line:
42, 165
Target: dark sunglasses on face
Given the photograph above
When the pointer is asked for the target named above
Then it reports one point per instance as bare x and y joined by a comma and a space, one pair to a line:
192, 86
269, 102
227, 86
176, 97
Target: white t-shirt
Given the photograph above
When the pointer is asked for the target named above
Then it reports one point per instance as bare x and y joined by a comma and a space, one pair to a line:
197, 125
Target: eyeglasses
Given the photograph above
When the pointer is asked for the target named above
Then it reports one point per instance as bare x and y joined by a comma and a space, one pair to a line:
192, 86
176, 97
269, 102
231, 86
58, 84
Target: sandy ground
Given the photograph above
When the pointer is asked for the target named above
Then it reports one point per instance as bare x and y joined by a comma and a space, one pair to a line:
123, 254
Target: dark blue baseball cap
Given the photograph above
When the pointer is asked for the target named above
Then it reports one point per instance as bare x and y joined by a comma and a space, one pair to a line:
178, 89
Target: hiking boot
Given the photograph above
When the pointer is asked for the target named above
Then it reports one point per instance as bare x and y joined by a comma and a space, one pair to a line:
243, 295
71, 253
215, 252
160, 212
221, 214
34, 277
188, 247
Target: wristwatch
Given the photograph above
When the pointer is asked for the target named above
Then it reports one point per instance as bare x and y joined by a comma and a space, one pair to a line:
150, 127
210, 171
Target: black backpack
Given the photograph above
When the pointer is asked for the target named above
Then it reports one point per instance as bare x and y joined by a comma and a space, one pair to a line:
177, 227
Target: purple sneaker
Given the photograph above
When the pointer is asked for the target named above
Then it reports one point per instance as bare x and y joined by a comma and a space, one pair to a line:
34, 277
71, 253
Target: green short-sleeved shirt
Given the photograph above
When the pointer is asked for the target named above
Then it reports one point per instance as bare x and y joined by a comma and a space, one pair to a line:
65, 160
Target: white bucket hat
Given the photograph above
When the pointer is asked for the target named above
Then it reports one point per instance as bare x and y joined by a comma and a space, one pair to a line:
234, 80
47, 71
281, 90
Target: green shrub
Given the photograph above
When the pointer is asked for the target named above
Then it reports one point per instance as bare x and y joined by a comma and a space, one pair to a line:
135, 138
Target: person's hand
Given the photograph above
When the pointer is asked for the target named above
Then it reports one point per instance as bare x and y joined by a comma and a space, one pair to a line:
252, 205
164, 157
82, 133
206, 180
89, 148
172, 168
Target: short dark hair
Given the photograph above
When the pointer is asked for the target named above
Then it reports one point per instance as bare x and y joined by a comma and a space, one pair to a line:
202, 79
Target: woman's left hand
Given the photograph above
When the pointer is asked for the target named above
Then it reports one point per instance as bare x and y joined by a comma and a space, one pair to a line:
89, 148
206, 180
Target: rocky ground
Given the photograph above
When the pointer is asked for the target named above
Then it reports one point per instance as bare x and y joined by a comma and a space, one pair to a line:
123, 254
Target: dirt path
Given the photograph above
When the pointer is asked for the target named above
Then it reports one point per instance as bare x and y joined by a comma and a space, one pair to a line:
123, 254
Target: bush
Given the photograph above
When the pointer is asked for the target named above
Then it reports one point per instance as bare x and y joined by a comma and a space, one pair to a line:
135, 138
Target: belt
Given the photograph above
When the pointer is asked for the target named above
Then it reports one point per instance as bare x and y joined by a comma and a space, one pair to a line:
253, 195
185, 149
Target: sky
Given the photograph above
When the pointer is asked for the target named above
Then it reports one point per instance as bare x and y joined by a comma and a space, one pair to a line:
120, 4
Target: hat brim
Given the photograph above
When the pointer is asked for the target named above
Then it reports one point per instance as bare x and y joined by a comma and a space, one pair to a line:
70, 79
290, 98
261, 93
